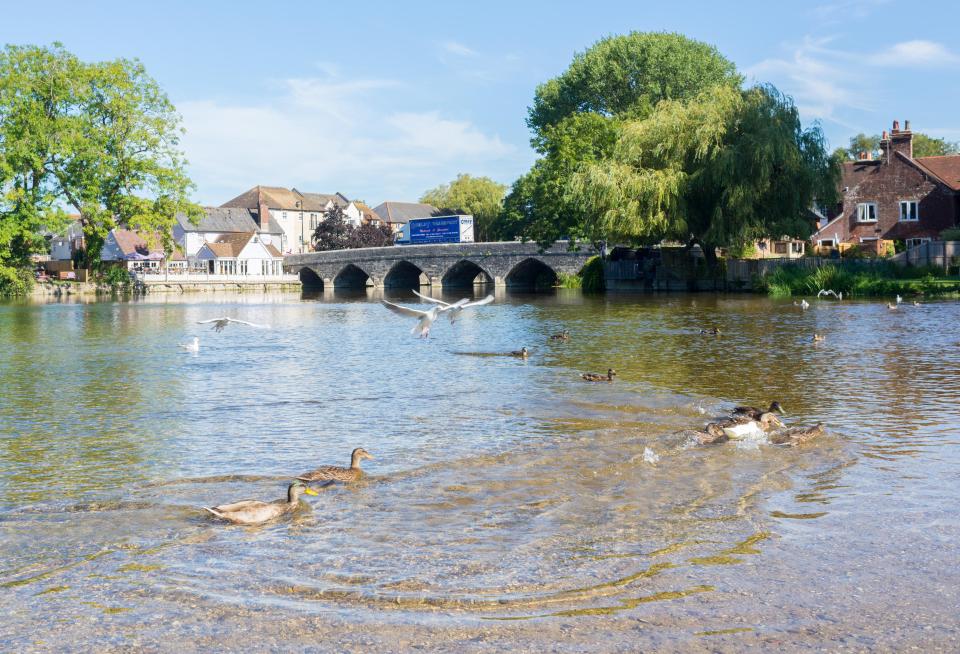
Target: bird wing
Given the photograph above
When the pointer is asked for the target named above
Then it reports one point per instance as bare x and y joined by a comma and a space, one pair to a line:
404, 311
479, 303
459, 304
207, 322
431, 299
249, 324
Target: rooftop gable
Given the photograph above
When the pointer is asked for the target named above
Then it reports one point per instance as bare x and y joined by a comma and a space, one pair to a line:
401, 212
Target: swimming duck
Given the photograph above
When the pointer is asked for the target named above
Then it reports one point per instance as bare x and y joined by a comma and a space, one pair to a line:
339, 473
755, 412
562, 336
715, 331
255, 512
522, 353
819, 338
916, 304
712, 434
891, 306
595, 377
796, 435
747, 427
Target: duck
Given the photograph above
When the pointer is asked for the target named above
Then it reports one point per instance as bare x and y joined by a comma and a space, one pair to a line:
711, 434
891, 306
255, 512
754, 413
522, 353
596, 377
819, 338
330, 474
796, 435
714, 331
561, 336
747, 427
899, 299
916, 304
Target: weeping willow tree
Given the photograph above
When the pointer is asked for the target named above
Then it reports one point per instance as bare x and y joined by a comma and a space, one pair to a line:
722, 169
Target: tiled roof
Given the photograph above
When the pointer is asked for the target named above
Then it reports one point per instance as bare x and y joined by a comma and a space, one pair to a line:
130, 242
230, 245
274, 252
401, 212
367, 214
854, 172
946, 169
221, 219
278, 197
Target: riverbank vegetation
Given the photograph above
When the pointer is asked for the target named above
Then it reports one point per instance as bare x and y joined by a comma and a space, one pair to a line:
874, 280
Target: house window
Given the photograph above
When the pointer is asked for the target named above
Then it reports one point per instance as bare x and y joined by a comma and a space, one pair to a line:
313, 221
826, 243
909, 210
867, 212
780, 247
284, 215
796, 247
914, 242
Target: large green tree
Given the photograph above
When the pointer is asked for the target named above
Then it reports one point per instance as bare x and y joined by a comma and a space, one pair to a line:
479, 196
723, 168
628, 75
98, 139
575, 116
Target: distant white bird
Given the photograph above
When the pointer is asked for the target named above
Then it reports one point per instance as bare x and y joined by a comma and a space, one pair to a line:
457, 307
840, 295
651, 457
899, 299
192, 346
804, 305
825, 291
425, 318
891, 306
220, 323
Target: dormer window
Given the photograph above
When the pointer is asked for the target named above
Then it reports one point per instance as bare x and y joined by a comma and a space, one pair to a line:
909, 211
867, 212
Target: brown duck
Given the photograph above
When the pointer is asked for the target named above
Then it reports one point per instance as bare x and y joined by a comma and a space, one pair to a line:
255, 512
797, 435
331, 474
561, 336
596, 377
755, 412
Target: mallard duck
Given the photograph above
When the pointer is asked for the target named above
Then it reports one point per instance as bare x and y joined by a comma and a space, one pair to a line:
339, 473
562, 336
796, 435
595, 377
255, 512
746, 427
755, 412
520, 354
712, 434
715, 331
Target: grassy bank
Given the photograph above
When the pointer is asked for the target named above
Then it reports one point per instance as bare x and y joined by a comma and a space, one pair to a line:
862, 282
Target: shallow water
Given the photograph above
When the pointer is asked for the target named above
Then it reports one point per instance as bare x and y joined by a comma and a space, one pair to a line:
510, 505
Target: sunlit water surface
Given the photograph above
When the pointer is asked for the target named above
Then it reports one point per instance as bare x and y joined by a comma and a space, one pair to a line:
509, 505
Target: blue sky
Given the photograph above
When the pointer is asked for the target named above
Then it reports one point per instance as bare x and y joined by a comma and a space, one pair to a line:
383, 100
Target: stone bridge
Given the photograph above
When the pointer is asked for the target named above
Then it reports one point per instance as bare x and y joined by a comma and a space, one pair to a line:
449, 265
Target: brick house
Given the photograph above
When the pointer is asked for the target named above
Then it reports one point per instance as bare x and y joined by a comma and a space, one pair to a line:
895, 197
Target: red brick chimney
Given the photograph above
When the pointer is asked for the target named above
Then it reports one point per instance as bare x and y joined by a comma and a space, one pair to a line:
263, 213
897, 141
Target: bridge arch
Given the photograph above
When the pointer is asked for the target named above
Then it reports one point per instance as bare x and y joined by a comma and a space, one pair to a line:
404, 274
464, 274
351, 276
309, 279
531, 273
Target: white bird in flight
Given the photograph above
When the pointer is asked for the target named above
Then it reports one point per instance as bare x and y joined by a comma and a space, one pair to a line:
823, 292
220, 323
457, 307
192, 346
425, 318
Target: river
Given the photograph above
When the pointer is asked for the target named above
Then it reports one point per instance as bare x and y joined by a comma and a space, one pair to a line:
509, 506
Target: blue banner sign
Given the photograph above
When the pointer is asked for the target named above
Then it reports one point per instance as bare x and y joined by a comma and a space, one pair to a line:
445, 229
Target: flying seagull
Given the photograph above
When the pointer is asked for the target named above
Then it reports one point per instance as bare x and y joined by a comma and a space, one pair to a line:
425, 318
457, 307
829, 292
220, 323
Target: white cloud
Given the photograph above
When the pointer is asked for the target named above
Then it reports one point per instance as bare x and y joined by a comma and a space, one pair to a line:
457, 48
916, 53
327, 134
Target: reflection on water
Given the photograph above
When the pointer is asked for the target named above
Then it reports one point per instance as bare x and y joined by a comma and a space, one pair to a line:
502, 489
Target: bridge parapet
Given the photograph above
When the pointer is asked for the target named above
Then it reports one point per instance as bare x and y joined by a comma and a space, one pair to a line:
503, 263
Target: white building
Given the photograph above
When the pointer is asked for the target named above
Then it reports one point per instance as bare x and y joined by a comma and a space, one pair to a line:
223, 221
296, 213
64, 246
240, 254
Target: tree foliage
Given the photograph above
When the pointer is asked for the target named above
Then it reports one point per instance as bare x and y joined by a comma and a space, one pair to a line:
480, 197
724, 168
335, 232
627, 76
100, 139
923, 146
